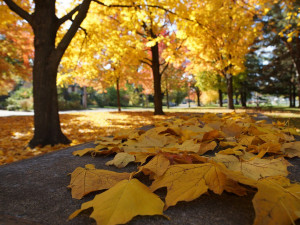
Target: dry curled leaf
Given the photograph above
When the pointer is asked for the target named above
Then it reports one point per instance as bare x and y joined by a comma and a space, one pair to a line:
89, 179
121, 160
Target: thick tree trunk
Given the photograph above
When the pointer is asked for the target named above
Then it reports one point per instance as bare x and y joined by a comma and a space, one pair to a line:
47, 57
118, 95
229, 91
220, 98
46, 119
157, 81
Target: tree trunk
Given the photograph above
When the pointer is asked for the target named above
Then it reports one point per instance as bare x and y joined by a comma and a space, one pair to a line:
167, 91
198, 93
157, 81
47, 57
84, 97
229, 91
243, 99
118, 95
220, 98
294, 95
236, 98
46, 119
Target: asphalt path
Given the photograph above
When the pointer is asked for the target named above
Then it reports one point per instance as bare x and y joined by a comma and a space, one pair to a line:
5, 113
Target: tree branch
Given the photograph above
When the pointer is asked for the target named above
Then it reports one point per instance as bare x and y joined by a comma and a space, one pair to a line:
142, 61
68, 16
17, 9
115, 5
164, 69
64, 43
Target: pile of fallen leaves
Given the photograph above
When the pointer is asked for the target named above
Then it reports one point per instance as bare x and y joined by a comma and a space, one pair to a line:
17, 131
191, 155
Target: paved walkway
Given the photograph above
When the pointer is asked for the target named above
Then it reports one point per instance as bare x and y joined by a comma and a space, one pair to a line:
4, 113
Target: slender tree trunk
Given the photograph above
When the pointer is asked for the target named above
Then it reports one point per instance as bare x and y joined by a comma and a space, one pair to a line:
167, 96
220, 98
291, 95
167, 91
229, 91
118, 95
294, 95
198, 93
157, 81
84, 97
243, 99
236, 98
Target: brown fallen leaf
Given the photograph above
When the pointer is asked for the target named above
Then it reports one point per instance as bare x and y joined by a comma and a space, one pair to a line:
89, 179
121, 203
291, 149
206, 146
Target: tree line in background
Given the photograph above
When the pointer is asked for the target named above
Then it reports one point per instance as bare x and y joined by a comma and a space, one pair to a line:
212, 48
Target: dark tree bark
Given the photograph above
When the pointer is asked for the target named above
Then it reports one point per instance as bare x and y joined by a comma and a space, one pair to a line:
294, 51
157, 81
236, 98
243, 99
229, 91
198, 93
220, 98
118, 95
47, 57
294, 95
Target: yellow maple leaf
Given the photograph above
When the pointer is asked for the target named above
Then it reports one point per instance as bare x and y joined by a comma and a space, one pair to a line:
276, 204
121, 203
157, 166
89, 179
121, 160
256, 168
186, 182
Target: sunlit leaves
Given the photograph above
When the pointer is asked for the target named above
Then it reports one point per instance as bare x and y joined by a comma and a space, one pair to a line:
89, 179
122, 202
175, 162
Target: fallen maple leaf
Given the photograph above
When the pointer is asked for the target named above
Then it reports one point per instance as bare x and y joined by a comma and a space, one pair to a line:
89, 179
256, 168
156, 167
121, 160
122, 202
276, 204
291, 149
186, 182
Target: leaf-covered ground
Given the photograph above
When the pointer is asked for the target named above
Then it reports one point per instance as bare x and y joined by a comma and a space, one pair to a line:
245, 155
16, 131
